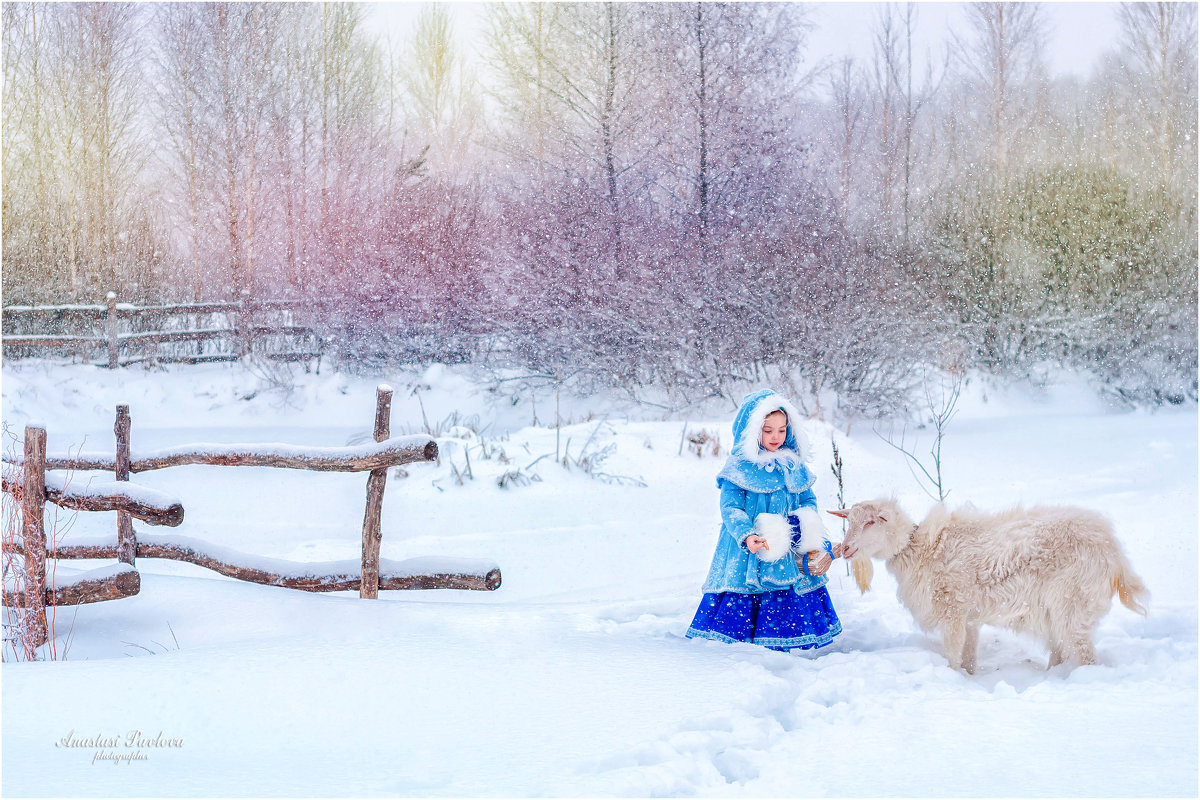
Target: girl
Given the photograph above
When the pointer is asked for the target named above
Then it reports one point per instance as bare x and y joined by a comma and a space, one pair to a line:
767, 580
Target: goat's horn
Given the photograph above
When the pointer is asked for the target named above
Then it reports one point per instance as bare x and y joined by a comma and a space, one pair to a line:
843, 513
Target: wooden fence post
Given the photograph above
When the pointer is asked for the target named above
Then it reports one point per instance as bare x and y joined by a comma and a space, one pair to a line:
126, 540
372, 522
33, 530
110, 329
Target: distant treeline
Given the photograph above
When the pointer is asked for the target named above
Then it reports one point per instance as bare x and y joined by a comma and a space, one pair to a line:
625, 193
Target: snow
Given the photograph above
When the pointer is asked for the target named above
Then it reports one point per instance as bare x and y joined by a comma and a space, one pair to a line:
60, 580
388, 568
85, 485
574, 679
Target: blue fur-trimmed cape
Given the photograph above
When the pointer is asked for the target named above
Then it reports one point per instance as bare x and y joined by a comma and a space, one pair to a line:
754, 481
756, 469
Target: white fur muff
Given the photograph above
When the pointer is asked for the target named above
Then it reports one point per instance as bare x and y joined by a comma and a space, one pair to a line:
812, 530
777, 532
773, 528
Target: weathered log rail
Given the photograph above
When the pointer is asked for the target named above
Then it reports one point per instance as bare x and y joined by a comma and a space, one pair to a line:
330, 576
150, 506
38, 479
85, 588
388, 453
97, 328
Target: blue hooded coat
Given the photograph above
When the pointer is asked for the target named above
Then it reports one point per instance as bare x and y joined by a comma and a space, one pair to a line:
755, 481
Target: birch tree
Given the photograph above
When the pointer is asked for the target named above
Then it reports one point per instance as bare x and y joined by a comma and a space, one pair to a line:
72, 76
999, 57
442, 98
1159, 46
180, 57
847, 100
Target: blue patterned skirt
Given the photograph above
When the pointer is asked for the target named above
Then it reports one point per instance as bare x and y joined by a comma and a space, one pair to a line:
779, 620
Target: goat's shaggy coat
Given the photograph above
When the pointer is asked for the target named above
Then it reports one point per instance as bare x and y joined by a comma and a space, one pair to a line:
1047, 571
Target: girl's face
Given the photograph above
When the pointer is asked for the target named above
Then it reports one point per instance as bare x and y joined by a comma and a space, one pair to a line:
774, 431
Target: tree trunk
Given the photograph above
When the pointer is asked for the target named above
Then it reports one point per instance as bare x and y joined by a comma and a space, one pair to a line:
703, 109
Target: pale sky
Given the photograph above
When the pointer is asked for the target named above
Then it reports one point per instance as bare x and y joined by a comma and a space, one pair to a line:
1079, 32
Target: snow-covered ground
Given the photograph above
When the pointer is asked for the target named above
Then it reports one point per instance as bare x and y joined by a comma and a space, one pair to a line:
574, 677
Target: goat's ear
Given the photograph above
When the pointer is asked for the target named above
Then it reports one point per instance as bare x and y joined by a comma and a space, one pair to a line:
863, 572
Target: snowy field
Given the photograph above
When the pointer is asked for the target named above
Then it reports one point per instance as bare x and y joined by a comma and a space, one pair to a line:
574, 678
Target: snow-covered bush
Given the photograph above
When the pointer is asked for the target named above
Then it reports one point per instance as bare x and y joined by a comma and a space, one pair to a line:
1078, 266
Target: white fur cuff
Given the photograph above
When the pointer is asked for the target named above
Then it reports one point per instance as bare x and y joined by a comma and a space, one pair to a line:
778, 534
812, 530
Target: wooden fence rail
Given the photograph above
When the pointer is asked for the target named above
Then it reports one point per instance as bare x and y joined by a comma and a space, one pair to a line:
330, 576
90, 587
103, 496
35, 480
381, 455
97, 328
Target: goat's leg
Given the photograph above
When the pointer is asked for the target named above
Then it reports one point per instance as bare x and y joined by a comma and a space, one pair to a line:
954, 639
1081, 647
1059, 630
970, 648
1074, 636
1056, 656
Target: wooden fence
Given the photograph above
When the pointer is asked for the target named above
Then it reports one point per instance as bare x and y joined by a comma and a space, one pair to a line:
122, 333
34, 482
310, 331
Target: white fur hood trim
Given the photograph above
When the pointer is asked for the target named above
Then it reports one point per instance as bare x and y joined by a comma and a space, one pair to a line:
749, 444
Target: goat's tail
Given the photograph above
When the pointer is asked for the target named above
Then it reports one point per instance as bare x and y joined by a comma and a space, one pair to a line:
1129, 587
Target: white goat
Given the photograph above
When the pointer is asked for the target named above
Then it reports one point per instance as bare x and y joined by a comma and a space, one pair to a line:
1049, 571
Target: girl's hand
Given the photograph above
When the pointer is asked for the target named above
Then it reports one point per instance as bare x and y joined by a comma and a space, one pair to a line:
837, 550
819, 562
755, 543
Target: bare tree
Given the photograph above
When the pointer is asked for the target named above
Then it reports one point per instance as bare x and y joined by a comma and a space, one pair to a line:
219, 68
28, 151
180, 57
351, 134
1000, 56
590, 98
443, 101
848, 108
913, 99
294, 126
887, 56
73, 121
1160, 49
519, 38
739, 68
